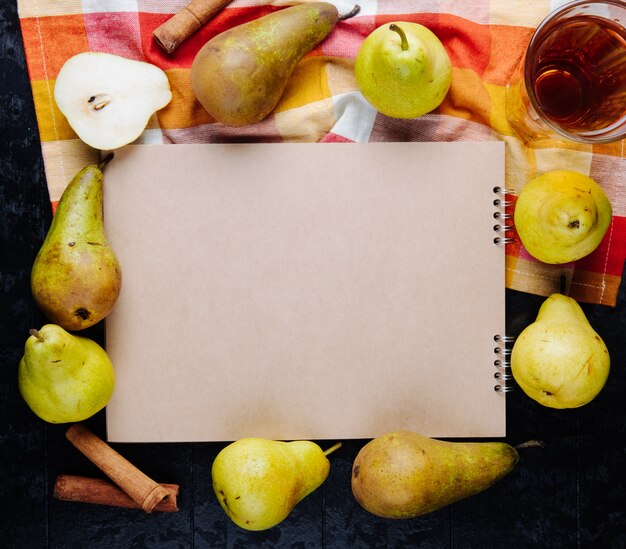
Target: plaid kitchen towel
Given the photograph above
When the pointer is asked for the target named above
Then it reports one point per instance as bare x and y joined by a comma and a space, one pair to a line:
484, 38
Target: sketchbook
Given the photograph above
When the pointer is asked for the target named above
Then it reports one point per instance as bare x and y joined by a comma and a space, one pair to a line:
307, 291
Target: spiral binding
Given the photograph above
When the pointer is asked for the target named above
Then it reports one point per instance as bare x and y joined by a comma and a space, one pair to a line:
503, 363
503, 350
502, 216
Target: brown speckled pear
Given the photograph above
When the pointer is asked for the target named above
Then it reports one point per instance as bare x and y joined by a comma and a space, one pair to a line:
76, 277
403, 474
240, 75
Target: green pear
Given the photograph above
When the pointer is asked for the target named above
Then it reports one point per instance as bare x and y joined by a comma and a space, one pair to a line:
76, 277
63, 377
259, 481
402, 474
240, 75
559, 360
403, 70
562, 216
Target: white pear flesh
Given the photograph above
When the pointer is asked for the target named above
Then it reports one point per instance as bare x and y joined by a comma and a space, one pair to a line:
108, 99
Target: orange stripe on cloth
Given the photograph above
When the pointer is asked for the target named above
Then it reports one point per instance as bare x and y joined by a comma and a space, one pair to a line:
50, 41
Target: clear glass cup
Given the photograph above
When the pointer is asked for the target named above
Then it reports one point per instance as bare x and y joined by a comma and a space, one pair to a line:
571, 82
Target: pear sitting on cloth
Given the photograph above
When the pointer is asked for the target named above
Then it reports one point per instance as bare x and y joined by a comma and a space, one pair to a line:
403, 70
240, 75
107, 99
562, 216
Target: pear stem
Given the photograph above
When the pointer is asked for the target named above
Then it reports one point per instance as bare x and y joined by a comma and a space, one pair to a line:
354, 11
36, 334
404, 43
105, 161
562, 284
530, 444
332, 448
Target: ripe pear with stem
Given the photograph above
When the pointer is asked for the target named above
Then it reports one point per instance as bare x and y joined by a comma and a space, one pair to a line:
63, 377
559, 360
403, 474
76, 277
403, 70
240, 75
259, 481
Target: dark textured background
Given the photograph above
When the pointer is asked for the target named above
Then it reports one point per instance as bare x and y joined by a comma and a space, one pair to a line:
571, 493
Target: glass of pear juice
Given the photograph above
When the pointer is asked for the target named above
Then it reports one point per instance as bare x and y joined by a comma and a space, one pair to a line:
571, 82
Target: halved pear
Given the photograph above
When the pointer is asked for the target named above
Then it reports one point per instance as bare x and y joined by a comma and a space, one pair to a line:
108, 99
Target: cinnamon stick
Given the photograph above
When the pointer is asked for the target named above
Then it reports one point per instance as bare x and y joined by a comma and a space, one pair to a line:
102, 492
187, 21
141, 488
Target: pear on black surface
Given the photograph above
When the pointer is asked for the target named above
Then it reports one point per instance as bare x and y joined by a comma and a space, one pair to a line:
258, 481
402, 474
76, 277
64, 377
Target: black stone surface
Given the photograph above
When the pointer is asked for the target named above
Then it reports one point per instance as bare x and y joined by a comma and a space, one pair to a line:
571, 493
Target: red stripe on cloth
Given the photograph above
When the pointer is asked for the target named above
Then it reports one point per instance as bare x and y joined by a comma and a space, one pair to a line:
116, 32
335, 138
468, 44
609, 256
183, 55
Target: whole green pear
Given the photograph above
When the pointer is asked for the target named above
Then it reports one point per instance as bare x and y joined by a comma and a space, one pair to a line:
259, 481
403, 70
76, 277
239, 75
403, 474
562, 216
64, 378
559, 360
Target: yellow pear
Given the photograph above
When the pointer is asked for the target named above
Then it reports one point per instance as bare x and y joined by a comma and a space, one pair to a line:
64, 378
559, 360
259, 481
403, 70
562, 216
402, 474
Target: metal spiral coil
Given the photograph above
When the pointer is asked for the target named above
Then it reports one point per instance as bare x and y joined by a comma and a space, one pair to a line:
503, 240
503, 352
503, 363
502, 216
504, 339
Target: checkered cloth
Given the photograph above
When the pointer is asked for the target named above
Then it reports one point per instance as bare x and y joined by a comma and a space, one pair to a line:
484, 38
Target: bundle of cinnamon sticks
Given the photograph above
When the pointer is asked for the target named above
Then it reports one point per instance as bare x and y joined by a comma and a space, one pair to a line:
129, 488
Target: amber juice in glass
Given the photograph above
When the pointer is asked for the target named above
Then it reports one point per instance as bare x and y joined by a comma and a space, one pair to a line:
579, 74
574, 72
